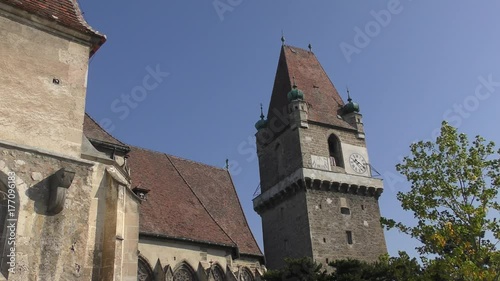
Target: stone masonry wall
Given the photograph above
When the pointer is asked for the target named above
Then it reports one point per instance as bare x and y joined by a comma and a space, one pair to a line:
328, 226
173, 253
279, 158
314, 141
44, 80
49, 247
286, 231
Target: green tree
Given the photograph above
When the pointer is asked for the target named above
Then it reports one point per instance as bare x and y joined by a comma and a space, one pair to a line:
453, 196
303, 269
386, 269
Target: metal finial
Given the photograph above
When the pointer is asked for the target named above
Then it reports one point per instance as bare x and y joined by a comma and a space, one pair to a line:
348, 95
261, 112
294, 84
227, 164
310, 47
282, 38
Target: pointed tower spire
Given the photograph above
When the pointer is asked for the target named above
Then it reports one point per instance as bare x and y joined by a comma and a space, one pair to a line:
319, 92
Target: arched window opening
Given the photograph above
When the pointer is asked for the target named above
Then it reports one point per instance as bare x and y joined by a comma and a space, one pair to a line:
218, 273
144, 271
246, 275
335, 150
184, 273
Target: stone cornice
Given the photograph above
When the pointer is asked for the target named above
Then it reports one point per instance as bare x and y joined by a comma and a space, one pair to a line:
303, 179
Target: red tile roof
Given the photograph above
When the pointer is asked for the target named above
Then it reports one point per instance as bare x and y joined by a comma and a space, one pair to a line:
189, 200
216, 191
65, 12
94, 132
310, 77
186, 199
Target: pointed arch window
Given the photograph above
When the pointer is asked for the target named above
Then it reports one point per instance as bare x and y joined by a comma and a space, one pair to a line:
335, 150
246, 275
144, 271
218, 273
184, 273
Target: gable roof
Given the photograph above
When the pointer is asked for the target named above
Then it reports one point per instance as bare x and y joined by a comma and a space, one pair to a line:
323, 99
64, 12
189, 200
94, 132
217, 192
186, 199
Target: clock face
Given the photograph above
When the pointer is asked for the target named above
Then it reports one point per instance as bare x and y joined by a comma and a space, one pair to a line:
358, 163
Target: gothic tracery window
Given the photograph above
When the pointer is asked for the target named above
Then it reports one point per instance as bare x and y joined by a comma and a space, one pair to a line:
218, 273
184, 273
246, 275
144, 271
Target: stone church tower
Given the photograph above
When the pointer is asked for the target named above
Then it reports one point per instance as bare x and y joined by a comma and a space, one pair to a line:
318, 197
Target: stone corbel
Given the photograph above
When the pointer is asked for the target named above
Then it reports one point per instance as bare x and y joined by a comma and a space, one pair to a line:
59, 182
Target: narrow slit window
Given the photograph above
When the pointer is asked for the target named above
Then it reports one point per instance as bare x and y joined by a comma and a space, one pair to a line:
349, 237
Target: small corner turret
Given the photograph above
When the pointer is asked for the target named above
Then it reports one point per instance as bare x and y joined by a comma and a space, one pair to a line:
297, 107
350, 113
262, 123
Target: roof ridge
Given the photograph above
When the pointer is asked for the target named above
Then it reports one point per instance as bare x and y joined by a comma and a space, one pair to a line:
92, 119
299, 48
243, 212
199, 200
180, 158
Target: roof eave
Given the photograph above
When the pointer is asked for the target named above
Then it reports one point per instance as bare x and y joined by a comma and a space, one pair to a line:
91, 37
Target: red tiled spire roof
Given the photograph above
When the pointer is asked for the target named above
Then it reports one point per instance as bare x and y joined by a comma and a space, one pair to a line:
65, 12
310, 77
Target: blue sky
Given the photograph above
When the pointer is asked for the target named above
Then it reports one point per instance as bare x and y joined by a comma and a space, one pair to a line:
428, 61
